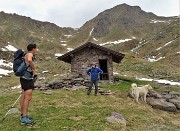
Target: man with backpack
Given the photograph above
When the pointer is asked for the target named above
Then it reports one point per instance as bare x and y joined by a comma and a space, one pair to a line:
94, 73
27, 84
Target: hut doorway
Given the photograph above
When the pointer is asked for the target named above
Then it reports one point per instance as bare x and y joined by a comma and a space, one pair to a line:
104, 68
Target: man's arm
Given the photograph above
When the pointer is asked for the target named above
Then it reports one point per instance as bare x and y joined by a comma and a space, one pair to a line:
31, 64
100, 71
88, 72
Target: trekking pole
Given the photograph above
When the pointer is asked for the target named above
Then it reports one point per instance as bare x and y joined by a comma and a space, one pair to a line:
8, 112
44, 71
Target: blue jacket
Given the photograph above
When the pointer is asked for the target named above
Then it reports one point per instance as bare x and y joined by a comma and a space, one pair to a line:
94, 72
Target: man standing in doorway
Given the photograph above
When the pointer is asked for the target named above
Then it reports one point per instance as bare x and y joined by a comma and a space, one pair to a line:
94, 73
27, 84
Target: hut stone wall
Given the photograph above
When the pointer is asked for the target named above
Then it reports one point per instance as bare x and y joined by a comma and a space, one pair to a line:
81, 61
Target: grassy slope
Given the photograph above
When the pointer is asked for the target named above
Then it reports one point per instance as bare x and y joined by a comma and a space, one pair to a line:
133, 66
74, 110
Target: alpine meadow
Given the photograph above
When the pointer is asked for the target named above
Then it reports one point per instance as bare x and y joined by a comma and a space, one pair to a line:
151, 49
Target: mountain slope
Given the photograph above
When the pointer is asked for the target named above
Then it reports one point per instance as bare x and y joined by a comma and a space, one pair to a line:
120, 22
20, 30
161, 45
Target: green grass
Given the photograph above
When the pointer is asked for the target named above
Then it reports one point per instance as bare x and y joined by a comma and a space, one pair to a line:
74, 110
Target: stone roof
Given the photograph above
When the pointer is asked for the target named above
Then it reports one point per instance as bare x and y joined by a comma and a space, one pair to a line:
116, 56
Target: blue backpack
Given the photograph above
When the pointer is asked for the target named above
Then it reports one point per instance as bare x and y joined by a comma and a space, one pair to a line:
19, 65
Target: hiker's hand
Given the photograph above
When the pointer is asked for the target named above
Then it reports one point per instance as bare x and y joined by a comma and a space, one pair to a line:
35, 78
33, 71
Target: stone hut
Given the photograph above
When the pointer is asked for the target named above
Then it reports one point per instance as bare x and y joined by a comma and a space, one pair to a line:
81, 58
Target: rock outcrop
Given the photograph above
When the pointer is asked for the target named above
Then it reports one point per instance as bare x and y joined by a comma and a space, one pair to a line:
166, 100
64, 83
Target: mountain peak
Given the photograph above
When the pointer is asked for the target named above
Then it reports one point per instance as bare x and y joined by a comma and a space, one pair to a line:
126, 6
127, 10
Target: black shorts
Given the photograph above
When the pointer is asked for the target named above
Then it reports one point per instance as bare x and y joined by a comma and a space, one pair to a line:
26, 84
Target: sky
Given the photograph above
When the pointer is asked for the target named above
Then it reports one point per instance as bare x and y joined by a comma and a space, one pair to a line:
74, 13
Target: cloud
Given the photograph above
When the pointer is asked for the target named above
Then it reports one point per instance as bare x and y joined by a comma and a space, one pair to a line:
74, 13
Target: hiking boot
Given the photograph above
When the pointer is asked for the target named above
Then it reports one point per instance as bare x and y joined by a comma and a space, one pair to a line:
27, 116
26, 121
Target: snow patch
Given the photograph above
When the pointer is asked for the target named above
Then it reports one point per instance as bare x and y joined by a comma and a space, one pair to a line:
115, 42
91, 32
4, 63
140, 45
164, 45
45, 71
115, 73
68, 36
160, 81
145, 79
3, 49
56, 75
64, 44
178, 52
133, 37
10, 48
42, 78
70, 49
5, 72
153, 59
16, 87
158, 21
63, 41
57, 55
95, 39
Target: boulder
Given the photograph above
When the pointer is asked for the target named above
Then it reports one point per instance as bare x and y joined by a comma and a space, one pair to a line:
173, 93
79, 79
48, 58
67, 79
130, 95
13, 110
176, 102
178, 98
156, 95
74, 88
116, 117
161, 104
164, 92
66, 82
167, 96
105, 92
56, 82
48, 92
42, 88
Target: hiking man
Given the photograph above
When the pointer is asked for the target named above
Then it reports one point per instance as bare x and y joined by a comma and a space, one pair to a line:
27, 84
94, 73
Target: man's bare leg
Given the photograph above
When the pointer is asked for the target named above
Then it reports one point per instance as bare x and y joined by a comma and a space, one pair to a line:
22, 101
27, 98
